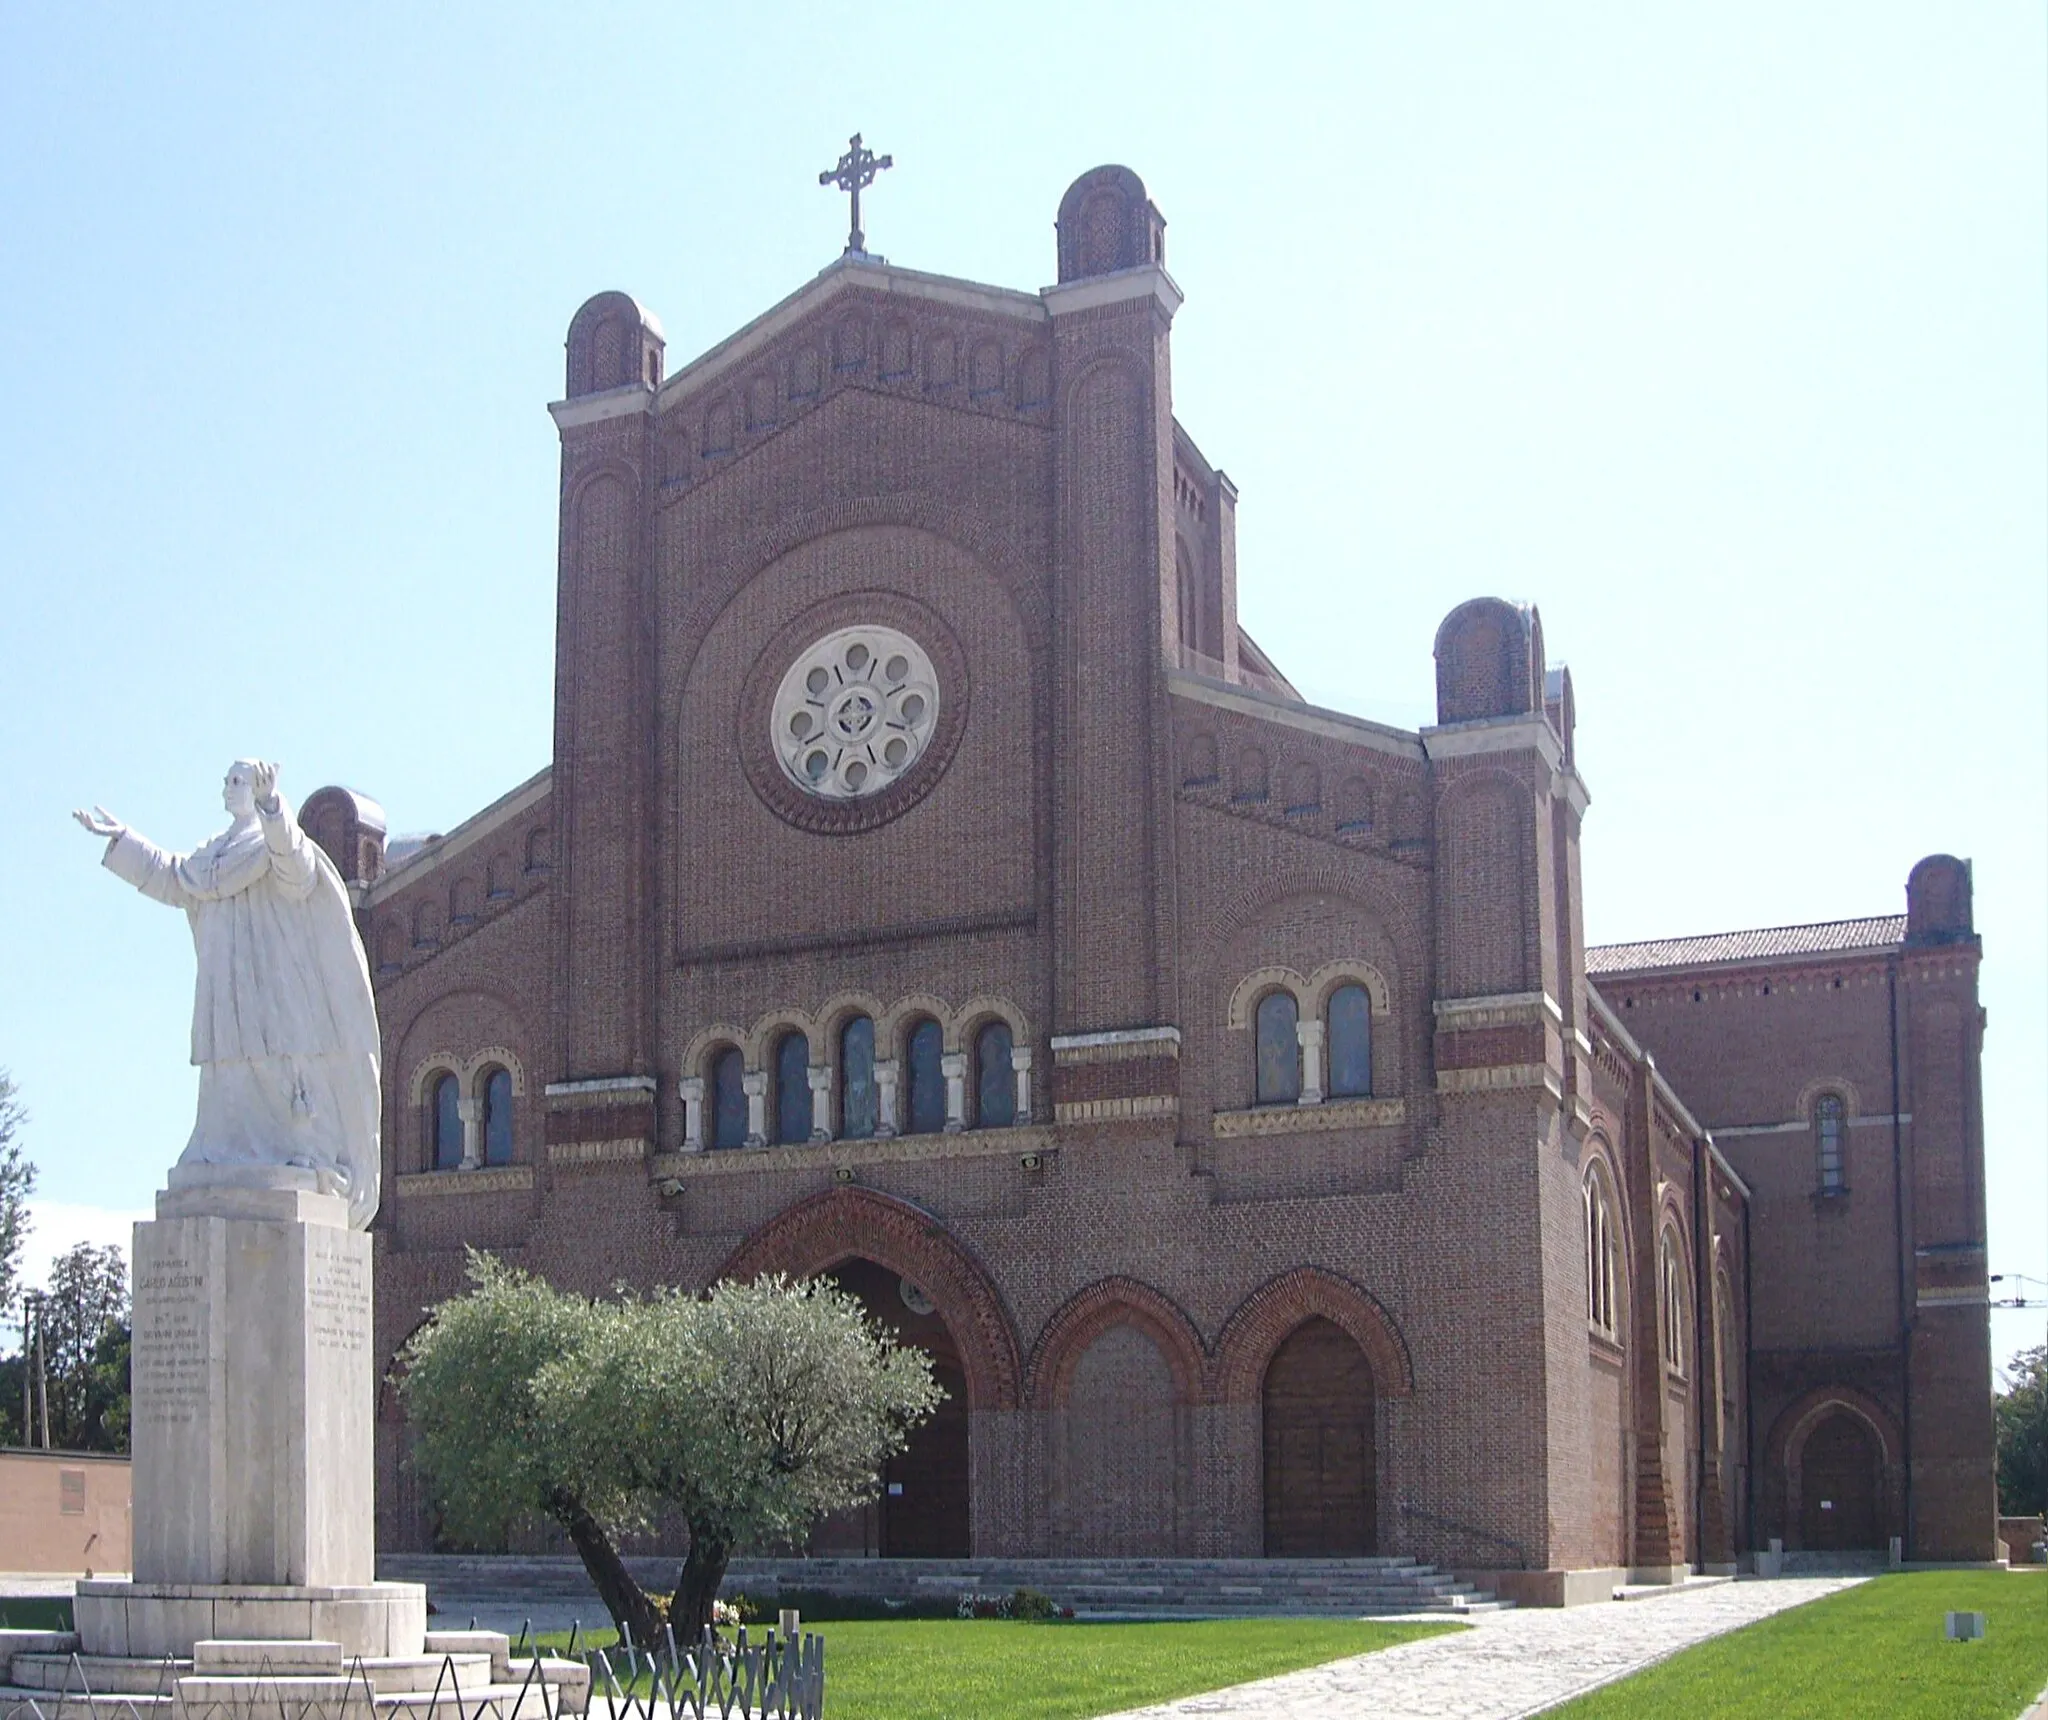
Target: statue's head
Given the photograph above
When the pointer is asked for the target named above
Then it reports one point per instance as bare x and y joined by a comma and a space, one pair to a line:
238, 789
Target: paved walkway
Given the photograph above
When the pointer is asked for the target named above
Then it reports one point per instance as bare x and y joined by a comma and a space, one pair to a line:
1508, 1664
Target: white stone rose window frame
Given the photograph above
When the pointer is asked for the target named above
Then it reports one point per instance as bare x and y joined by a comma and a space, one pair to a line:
855, 712
777, 686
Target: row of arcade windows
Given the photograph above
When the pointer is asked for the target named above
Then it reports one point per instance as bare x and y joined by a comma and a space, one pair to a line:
468, 1131
1302, 1062
923, 1090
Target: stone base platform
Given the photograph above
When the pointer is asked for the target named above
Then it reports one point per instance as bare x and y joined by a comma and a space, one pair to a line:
465, 1674
147, 1620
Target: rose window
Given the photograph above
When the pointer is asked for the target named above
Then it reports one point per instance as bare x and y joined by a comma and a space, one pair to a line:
855, 712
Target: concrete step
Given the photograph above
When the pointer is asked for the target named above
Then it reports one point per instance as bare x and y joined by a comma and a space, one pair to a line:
257, 1699
100, 1674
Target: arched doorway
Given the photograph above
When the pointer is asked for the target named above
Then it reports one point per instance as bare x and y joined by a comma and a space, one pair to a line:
1317, 1410
923, 1510
1839, 1482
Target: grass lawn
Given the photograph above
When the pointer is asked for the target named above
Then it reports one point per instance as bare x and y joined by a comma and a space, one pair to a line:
1874, 1650
998, 1669
35, 1612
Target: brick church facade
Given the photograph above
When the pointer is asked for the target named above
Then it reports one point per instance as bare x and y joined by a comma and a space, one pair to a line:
934, 886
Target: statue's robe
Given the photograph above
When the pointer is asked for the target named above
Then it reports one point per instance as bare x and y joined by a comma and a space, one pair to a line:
284, 1025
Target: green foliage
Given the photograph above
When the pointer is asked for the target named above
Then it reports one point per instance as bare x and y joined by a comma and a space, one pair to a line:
1874, 1649
495, 1447
2022, 1421
1030, 1604
754, 1410
36, 1612
1001, 1670
82, 1317
17, 1183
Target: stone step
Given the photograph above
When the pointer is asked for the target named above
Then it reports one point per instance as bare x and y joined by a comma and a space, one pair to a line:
100, 1674
264, 1699
57, 1674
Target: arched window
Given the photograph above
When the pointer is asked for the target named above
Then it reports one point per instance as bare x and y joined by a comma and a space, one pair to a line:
447, 1124
857, 1079
1671, 1275
924, 1106
1279, 1050
792, 1089
995, 1088
1602, 1302
1350, 1042
729, 1099
1830, 1129
498, 1117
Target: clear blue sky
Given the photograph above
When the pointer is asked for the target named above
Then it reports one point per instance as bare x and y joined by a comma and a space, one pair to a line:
1718, 331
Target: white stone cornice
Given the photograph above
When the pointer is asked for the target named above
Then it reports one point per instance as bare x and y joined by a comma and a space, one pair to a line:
1313, 719
1528, 733
1117, 1045
847, 275
1145, 281
602, 1084
1503, 1009
464, 836
634, 399
1570, 787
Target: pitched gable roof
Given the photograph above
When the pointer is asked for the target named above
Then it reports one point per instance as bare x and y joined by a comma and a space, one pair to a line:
1759, 944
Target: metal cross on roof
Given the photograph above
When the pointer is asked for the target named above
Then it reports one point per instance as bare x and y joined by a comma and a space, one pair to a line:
857, 168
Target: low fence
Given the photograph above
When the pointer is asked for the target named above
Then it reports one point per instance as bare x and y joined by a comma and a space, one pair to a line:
771, 1678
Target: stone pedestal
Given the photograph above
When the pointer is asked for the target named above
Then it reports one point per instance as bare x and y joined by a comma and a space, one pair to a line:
254, 1397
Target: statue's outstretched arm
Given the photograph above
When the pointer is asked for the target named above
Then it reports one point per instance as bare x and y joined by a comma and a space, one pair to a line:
100, 822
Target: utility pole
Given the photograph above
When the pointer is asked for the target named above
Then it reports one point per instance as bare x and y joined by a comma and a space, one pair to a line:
42, 1371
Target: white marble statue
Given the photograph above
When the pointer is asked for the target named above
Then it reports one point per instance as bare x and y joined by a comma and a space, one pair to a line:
284, 1026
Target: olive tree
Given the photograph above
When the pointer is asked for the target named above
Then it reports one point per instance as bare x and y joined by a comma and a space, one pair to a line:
749, 1411
494, 1449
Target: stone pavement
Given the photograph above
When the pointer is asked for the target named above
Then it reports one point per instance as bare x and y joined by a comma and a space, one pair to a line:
1507, 1664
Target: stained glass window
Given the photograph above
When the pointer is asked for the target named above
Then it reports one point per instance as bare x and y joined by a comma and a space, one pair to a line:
792, 1089
447, 1124
498, 1118
1830, 1122
995, 1088
1350, 1042
729, 1100
1279, 1074
924, 1107
857, 1079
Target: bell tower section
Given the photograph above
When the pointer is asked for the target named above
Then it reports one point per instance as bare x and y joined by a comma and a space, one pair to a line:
1114, 593
603, 725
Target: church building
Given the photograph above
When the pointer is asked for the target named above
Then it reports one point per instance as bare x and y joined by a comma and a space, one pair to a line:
933, 886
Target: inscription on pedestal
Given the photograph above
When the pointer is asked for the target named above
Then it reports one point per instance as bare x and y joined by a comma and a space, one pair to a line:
170, 1341
338, 1300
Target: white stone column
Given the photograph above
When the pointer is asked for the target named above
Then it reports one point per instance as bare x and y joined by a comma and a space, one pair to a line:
821, 1102
1310, 1033
953, 1065
693, 1113
471, 1111
754, 1083
887, 1070
1020, 1063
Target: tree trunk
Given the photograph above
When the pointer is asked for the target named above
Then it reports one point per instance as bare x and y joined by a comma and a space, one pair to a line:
623, 1598
689, 1613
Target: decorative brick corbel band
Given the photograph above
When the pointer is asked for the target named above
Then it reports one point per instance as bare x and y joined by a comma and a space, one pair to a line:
1127, 1075
593, 1121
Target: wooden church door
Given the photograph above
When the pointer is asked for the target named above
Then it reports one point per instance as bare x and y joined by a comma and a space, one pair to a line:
1319, 1456
1838, 1485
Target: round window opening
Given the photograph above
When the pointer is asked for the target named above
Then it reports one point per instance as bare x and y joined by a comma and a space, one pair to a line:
854, 712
